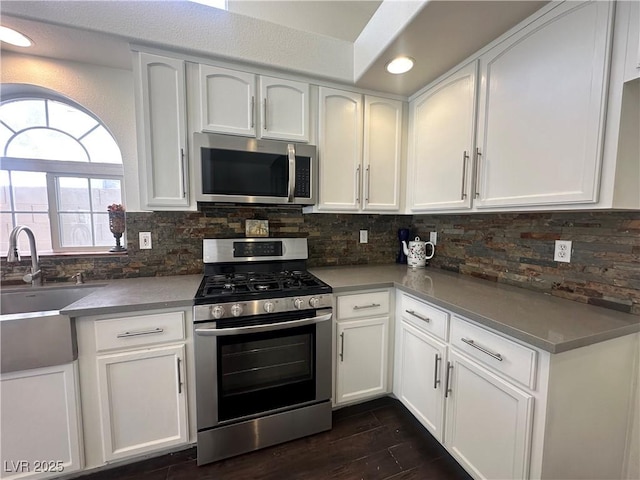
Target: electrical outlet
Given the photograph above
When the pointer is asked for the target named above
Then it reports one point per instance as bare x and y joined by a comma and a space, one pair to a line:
364, 236
145, 240
562, 252
433, 237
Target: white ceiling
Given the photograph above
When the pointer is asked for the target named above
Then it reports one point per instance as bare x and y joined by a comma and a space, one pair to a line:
313, 38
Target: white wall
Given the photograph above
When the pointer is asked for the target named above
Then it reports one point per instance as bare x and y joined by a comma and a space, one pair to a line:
107, 92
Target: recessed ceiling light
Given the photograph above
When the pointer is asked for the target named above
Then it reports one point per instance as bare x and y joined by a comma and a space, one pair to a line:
400, 65
9, 35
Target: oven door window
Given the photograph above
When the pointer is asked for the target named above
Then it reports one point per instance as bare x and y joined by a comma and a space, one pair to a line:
265, 371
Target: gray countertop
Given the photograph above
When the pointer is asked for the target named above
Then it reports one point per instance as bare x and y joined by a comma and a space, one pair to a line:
550, 323
134, 294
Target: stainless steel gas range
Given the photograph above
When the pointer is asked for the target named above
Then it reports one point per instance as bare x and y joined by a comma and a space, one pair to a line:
262, 341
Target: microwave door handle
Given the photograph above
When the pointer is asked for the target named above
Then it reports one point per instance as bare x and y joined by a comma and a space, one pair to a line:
291, 154
214, 332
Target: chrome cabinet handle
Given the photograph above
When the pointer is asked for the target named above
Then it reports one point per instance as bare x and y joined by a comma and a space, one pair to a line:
436, 380
179, 377
291, 154
264, 125
447, 390
465, 161
362, 307
468, 341
417, 315
478, 157
137, 333
367, 184
184, 174
253, 111
342, 347
222, 332
358, 184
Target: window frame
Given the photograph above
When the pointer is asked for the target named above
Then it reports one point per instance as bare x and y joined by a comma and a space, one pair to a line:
59, 168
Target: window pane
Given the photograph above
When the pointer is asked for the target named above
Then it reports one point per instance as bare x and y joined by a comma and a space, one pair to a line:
102, 147
5, 200
104, 192
69, 119
102, 232
6, 225
45, 144
75, 229
39, 224
5, 135
30, 191
23, 114
73, 194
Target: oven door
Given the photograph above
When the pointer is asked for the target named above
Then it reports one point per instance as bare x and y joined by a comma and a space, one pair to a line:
263, 364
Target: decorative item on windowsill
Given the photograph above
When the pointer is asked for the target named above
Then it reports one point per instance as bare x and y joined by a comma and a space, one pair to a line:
116, 225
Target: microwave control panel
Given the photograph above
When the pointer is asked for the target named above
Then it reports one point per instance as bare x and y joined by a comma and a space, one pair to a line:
303, 177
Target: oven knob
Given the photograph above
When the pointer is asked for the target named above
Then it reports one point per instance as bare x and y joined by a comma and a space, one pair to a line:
268, 307
217, 312
297, 303
236, 310
314, 302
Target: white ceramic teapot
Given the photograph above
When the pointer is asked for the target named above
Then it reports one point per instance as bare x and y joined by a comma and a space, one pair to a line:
416, 252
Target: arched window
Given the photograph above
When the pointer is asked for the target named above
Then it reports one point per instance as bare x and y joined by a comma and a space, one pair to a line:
60, 169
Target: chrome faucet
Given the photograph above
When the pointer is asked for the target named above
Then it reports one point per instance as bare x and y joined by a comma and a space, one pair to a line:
35, 277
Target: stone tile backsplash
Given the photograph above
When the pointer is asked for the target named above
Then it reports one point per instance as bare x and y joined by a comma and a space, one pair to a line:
508, 248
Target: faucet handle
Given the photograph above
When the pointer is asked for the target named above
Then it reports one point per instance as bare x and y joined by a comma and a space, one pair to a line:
79, 278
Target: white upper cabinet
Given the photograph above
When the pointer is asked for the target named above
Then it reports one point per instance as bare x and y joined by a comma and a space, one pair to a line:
340, 149
285, 109
227, 101
229, 104
162, 131
442, 122
359, 147
382, 150
542, 105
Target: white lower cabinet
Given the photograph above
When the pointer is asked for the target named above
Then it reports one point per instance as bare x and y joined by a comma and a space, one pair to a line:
134, 375
40, 434
488, 421
419, 383
507, 410
361, 346
142, 403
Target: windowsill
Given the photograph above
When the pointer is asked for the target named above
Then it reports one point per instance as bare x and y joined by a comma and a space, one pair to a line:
54, 255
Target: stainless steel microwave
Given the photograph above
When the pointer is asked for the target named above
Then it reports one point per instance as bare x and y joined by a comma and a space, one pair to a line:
245, 170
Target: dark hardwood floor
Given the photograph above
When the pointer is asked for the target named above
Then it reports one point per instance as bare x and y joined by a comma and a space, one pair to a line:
371, 441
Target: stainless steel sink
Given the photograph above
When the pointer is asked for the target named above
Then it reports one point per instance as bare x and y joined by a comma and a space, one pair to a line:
33, 334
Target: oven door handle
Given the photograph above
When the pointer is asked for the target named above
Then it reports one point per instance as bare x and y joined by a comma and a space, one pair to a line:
219, 332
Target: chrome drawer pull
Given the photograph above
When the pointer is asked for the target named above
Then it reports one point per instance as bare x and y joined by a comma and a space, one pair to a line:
436, 380
360, 307
342, 347
417, 315
140, 332
497, 356
448, 390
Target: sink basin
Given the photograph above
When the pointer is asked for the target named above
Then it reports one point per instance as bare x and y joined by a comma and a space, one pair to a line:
43, 299
33, 334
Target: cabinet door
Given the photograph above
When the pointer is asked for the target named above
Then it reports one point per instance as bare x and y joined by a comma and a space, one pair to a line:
40, 423
142, 401
340, 150
227, 101
382, 146
488, 421
285, 109
162, 132
442, 142
362, 359
418, 384
542, 105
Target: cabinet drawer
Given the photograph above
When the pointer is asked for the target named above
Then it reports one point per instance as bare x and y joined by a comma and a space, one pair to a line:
423, 315
140, 330
363, 305
509, 358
